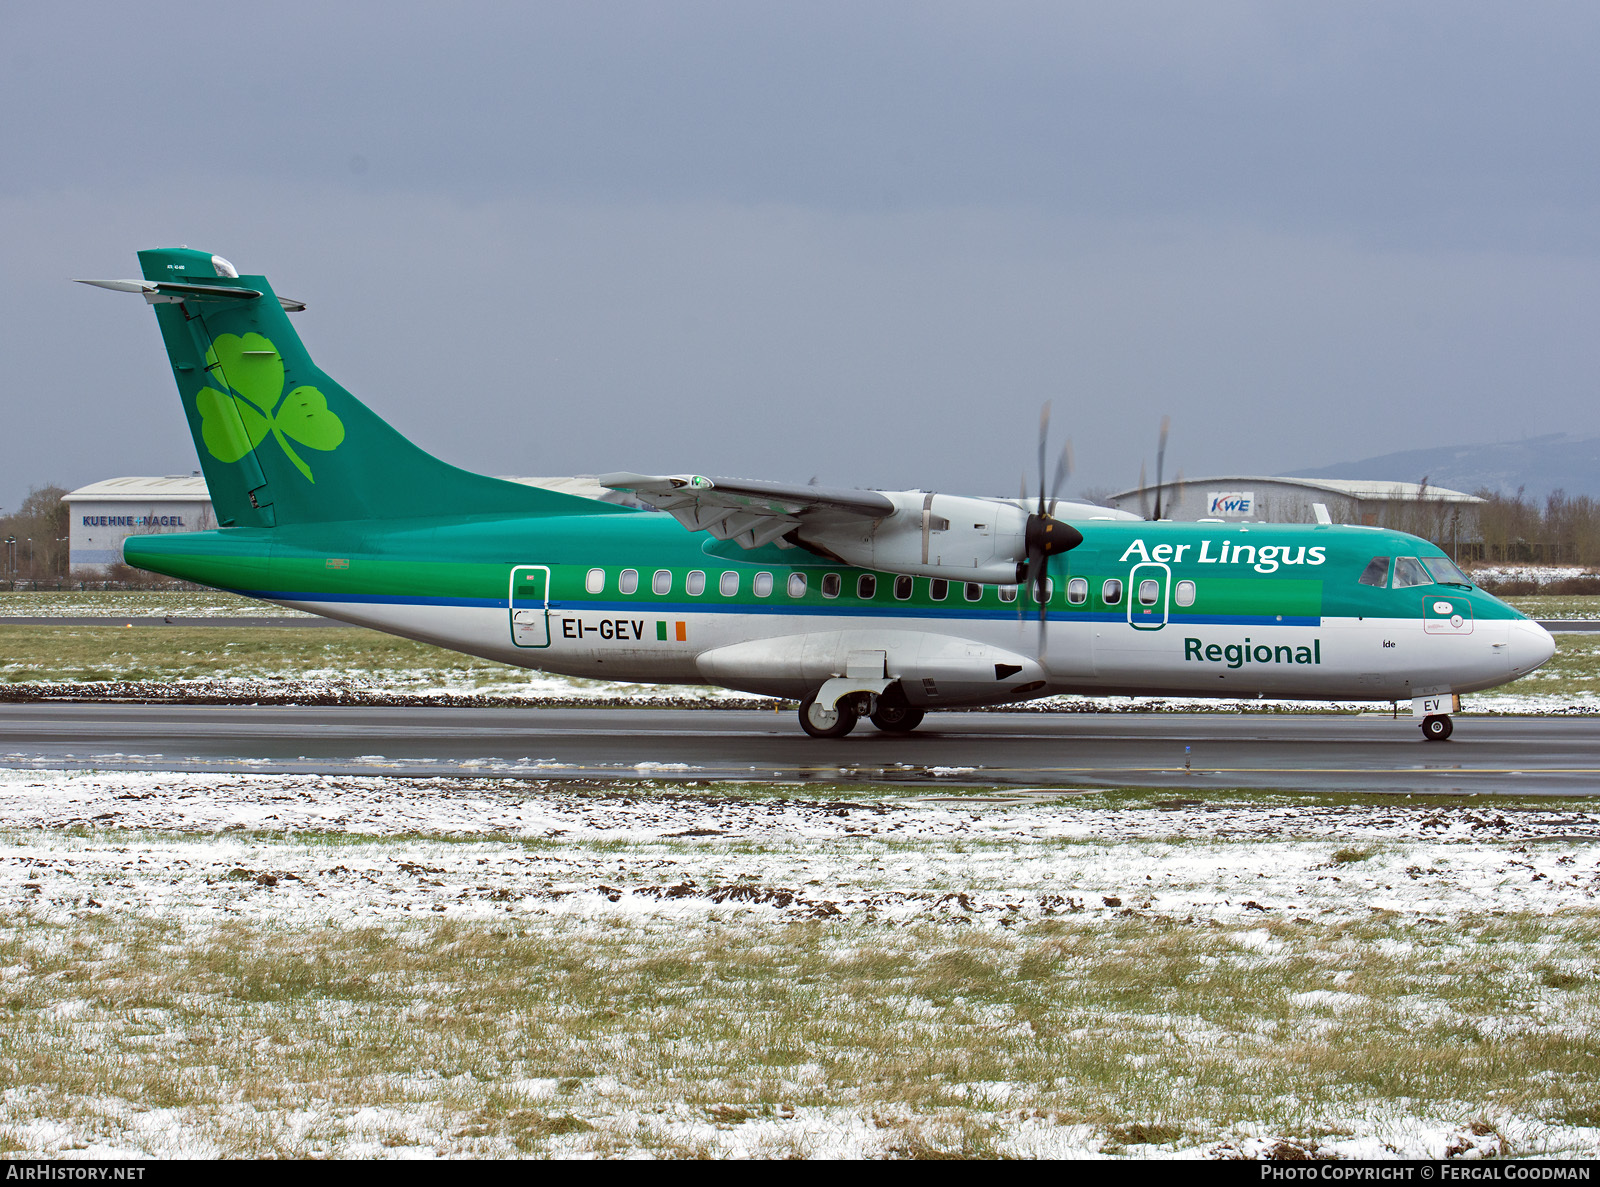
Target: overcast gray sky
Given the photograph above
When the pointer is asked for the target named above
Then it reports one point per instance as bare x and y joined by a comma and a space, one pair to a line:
861, 241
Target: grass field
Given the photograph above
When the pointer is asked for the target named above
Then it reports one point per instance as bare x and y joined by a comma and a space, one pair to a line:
203, 603
173, 653
1551, 606
1135, 1034
493, 968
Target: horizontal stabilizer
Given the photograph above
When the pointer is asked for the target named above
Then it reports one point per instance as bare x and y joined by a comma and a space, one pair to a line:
165, 290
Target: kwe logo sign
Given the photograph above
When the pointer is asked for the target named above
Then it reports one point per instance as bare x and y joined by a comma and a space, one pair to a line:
1238, 504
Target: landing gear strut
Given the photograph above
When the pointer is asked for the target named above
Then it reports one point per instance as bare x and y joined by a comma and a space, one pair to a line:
827, 721
1437, 728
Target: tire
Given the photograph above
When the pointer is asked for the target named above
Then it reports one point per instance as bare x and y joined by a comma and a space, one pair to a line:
1437, 728
826, 723
896, 718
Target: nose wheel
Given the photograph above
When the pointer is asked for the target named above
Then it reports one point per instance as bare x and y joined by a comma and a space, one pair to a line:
1437, 728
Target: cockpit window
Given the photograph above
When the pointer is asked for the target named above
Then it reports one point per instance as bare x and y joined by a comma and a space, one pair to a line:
1444, 571
1408, 571
1376, 572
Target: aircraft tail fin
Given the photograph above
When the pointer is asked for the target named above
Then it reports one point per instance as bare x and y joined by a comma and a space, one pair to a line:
279, 441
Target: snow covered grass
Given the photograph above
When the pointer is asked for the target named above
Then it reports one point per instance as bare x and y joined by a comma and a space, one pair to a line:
134, 603
203, 965
1538, 574
176, 653
297, 661
1548, 606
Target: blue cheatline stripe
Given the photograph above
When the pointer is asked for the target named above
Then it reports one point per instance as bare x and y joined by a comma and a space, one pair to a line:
869, 610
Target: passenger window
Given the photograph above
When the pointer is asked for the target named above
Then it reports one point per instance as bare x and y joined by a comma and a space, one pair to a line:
939, 589
1049, 590
902, 587
866, 587
762, 585
1008, 593
728, 584
974, 592
1077, 591
1408, 571
830, 585
1111, 591
628, 582
1149, 591
1183, 593
695, 584
1377, 572
797, 585
661, 583
595, 581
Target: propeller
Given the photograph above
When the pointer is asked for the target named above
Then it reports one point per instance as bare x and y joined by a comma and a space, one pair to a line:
1046, 536
1161, 459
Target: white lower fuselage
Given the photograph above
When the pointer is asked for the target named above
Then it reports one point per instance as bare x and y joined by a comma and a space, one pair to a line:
951, 658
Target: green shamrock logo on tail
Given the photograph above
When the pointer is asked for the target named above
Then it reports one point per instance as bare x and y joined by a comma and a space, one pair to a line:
236, 419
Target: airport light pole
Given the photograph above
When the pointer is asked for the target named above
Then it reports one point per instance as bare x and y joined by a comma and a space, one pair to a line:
11, 556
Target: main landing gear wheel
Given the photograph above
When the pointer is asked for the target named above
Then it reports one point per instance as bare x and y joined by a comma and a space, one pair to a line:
822, 722
1437, 728
894, 716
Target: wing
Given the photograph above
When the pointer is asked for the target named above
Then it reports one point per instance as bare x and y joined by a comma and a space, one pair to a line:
751, 512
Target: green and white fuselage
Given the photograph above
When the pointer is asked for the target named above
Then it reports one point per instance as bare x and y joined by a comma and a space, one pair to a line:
330, 510
547, 592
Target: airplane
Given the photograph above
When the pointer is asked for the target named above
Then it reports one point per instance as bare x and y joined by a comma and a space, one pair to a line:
855, 603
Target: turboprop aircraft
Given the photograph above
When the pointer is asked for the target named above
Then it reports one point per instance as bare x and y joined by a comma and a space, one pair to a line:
883, 604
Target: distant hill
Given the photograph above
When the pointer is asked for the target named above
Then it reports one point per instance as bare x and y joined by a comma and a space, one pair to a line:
1539, 465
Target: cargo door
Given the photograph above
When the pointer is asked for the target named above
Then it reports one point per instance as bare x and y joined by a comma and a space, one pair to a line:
530, 606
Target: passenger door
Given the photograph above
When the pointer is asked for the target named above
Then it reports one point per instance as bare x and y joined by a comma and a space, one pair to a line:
530, 606
1149, 596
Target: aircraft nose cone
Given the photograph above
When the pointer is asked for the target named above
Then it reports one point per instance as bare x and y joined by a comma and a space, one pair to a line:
1531, 646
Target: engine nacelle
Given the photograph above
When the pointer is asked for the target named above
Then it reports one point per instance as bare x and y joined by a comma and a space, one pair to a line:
949, 536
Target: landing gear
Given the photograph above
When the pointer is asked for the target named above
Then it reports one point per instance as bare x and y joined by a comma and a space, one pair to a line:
827, 721
893, 715
1437, 728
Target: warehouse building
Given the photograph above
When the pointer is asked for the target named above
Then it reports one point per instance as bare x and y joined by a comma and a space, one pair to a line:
1431, 511
104, 514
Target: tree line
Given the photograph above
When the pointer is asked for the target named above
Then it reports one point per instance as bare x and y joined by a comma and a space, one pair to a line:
1513, 529
33, 539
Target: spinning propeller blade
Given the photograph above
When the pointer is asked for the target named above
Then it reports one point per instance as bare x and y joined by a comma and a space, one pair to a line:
1046, 535
1161, 457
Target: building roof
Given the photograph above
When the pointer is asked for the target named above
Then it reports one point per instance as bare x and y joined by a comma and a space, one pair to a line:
180, 488
192, 489
1363, 490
